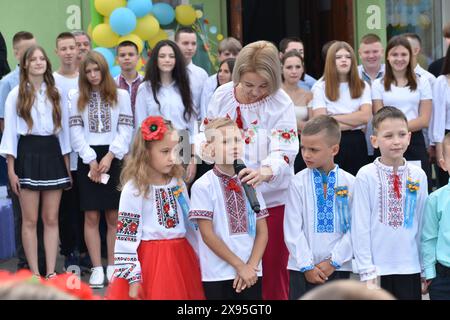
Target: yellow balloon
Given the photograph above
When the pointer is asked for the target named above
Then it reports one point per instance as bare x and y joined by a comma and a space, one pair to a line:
162, 35
185, 14
104, 36
147, 27
133, 38
106, 7
220, 37
89, 30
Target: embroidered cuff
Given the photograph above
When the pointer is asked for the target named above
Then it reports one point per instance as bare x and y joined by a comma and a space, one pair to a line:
368, 275
200, 214
135, 278
303, 270
335, 264
264, 213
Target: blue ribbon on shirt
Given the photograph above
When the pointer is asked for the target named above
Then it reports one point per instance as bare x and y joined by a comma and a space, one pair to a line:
410, 203
251, 220
342, 208
178, 192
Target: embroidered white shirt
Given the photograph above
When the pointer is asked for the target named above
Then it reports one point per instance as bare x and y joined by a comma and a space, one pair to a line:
269, 132
156, 217
309, 236
170, 107
212, 199
441, 109
42, 115
101, 124
383, 243
208, 90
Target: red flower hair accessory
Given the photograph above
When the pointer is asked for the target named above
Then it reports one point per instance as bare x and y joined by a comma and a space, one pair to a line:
153, 129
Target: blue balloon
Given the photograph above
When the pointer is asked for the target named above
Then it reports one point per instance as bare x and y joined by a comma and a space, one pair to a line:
164, 13
140, 8
115, 71
107, 54
123, 21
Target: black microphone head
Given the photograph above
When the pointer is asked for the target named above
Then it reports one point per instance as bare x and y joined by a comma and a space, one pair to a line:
238, 165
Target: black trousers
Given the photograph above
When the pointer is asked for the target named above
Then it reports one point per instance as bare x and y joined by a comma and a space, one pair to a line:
352, 153
440, 286
298, 285
71, 220
403, 286
223, 290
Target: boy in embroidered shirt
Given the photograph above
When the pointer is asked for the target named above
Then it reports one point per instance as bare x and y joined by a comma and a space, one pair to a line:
388, 205
234, 236
317, 218
435, 242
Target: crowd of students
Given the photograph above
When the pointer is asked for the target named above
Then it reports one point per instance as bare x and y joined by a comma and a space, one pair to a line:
155, 155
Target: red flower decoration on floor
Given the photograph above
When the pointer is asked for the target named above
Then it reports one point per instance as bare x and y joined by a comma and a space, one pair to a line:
153, 129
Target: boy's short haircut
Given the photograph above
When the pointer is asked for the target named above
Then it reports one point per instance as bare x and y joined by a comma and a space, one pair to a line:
446, 144
230, 44
183, 30
326, 124
387, 113
414, 36
22, 35
370, 38
127, 44
63, 36
215, 124
284, 43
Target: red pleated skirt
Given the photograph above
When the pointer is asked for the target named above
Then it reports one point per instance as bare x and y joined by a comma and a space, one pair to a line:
170, 271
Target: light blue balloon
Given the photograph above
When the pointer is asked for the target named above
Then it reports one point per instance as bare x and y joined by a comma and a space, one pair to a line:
213, 29
107, 54
164, 13
115, 71
140, 8
123, 21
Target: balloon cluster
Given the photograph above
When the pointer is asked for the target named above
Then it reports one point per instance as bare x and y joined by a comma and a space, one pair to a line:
138, 21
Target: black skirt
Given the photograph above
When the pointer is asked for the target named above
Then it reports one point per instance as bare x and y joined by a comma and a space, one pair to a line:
98, 196
40, 164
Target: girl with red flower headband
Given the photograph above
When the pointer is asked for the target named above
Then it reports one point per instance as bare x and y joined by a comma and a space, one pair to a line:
154, 256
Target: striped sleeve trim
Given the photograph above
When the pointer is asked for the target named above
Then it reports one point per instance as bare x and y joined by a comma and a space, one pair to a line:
76, 121
264, 213
201, 214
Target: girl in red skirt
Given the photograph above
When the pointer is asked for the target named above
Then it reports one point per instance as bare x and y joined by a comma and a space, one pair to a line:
153, 258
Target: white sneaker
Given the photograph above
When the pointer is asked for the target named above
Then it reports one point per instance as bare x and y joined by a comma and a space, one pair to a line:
97, 279
110, 273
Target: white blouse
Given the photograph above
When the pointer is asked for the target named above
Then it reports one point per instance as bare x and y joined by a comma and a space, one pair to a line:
386, 224
402, 97
312, 230
101, 124
207, 92
269, 132
42, 115
171, 107
345, 104
440, 120
197, 79
214, 198
159, 216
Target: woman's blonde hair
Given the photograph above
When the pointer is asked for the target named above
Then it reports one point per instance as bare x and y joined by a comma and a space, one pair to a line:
262, 58
108, 88
331, 77
138, 161
26, 96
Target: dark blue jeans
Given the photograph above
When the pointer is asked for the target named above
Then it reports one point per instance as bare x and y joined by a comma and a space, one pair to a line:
440, 286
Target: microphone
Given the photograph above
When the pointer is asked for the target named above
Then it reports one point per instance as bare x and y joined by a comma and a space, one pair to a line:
249, 190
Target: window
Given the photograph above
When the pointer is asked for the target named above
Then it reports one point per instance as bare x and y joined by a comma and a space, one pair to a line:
422, 17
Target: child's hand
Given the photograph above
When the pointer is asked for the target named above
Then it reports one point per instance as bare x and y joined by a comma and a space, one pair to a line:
15, 183
134, 290
426, 285
315, 276
246, 277
191, 170
94, 172
326, 267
